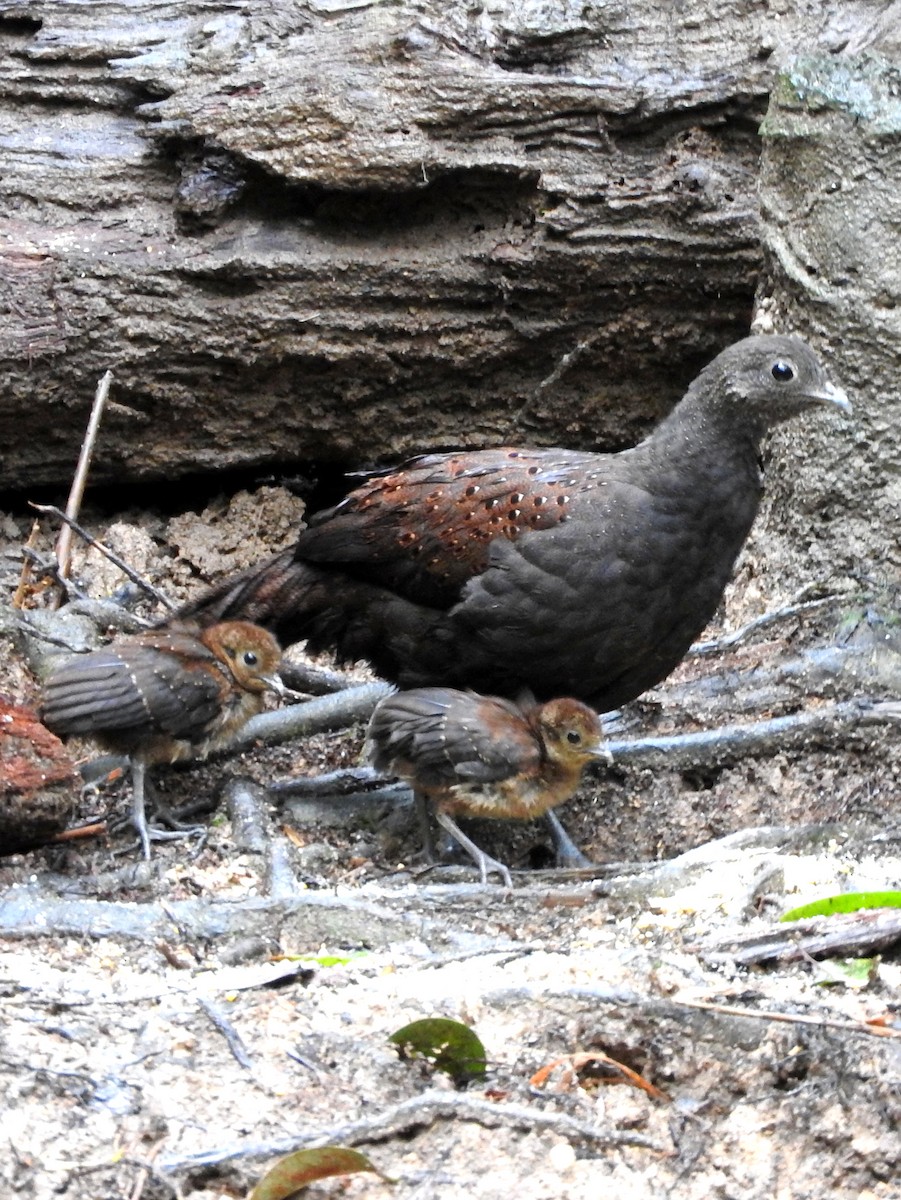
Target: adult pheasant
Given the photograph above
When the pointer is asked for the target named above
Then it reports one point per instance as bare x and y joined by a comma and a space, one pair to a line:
558, 571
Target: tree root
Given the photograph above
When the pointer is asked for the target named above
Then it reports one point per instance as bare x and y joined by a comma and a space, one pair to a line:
420, 1113
334, 711
829, 724
840, 935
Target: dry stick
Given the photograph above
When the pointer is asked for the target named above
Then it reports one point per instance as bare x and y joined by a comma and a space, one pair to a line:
663, 1007
867, 931
764, 1014
145, 1169
728, 640
70, 524
25, 577
318, 681
73, 504
567, 360
96, 829
143, 1173
228, 1031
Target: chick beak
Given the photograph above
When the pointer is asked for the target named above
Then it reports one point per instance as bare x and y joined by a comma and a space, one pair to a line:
275, 684
602, 752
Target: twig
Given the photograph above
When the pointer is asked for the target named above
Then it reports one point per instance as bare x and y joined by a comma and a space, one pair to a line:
48, 570
25, 577
764, 1014
279, 878
422, 1111
325, 918
228, 1031
70, 523
500, 954
567, 360
667, 1007
244, 803
97, 829
144, 1167
76, 493
35, 631
728, 640
252, 834
147, 1170
350, 782
585, 1058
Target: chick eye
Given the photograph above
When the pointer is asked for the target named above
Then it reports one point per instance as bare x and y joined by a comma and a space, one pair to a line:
782, 372
573, 738
250, 659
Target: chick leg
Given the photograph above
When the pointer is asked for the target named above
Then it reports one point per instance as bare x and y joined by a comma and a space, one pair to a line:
138, 817
425, 827
568, 853
150, 833
483, 861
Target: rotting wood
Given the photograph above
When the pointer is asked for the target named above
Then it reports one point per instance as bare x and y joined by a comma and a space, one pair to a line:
312, 233
840, 935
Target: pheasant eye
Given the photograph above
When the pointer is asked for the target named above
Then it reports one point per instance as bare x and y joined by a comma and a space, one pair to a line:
250, 659
782, 371
573, 738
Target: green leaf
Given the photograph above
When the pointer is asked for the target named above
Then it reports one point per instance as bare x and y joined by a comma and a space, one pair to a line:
328, 960
848, 972
296, 1170
844, 903
451, 1046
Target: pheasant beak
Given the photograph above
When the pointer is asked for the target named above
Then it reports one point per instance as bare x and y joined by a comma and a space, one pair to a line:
830, 394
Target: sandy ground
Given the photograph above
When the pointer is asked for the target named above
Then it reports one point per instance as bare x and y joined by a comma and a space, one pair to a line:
170, 1028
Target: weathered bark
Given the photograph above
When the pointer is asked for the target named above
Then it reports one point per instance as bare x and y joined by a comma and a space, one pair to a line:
829, 200
350, 231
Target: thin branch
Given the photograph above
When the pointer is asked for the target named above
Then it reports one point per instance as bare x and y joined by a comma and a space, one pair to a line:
318, 681
728, 640
567, 360
764, 1014
27, 562
655, 1007
228, 1031
73, 504
839, 935
35, 631
95, 829
326, 918
70, 523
